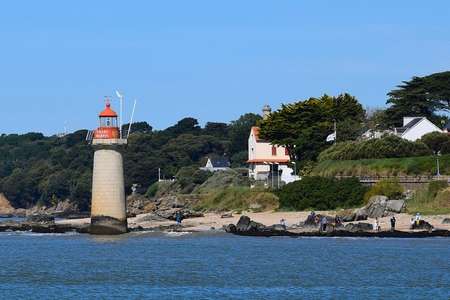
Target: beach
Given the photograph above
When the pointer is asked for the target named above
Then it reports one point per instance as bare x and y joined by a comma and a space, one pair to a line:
214, 221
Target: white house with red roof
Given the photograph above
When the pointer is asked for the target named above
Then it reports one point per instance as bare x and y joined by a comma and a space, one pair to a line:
267, 162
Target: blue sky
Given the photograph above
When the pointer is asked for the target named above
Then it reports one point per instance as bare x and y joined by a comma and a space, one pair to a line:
212, 60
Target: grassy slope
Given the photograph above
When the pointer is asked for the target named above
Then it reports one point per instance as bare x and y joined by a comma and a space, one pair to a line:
423, 165
428, 204
238, 198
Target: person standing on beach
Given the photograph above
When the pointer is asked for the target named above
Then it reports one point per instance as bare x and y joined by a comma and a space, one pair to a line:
376, 225
393, 220
323, 224
178, 217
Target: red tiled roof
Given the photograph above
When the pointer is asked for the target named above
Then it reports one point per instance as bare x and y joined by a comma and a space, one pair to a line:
255, 131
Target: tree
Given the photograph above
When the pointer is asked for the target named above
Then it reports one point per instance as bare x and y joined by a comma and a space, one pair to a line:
302, 127
239, 131
143, 127
419, 97
216, 129
435, 140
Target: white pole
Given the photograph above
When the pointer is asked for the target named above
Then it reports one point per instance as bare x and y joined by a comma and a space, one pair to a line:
159, 174
121, 112
120, 119
335, 132
131, 121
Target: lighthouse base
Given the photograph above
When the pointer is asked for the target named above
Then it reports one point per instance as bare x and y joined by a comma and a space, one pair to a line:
103, 225
108, 207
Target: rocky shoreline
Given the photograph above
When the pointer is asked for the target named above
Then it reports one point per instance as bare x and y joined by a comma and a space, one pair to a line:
247, 227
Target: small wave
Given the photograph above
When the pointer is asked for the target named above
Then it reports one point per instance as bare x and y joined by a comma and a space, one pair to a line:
30, 233
176, 234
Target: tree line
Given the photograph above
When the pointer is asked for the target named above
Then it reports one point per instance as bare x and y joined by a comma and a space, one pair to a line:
35, 169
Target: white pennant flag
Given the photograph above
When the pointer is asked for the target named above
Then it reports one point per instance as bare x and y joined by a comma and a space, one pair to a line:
331, 137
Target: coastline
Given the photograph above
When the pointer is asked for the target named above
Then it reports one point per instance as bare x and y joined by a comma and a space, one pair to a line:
214, 222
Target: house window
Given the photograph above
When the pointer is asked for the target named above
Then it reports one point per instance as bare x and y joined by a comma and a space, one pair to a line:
274, 151
286, 152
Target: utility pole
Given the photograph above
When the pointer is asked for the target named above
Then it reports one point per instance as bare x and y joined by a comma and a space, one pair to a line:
335, 132
438, 173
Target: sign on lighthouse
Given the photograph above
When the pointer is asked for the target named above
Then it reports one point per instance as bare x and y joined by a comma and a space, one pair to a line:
108, 207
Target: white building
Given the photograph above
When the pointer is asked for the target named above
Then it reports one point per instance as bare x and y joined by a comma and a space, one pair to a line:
216, 164
415, 127
268, 162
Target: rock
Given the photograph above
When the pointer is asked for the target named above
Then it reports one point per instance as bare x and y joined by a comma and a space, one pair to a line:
348, 218
377, 206
44, 219
380, 206
224, 216
5, 206
255, 207
395, 206
230, 228
6, 216
104, 225
63, 208
149, 217
171, 213
422, 225
361, 214
446, 221
358, 227
277, 227
243, 223
138, 204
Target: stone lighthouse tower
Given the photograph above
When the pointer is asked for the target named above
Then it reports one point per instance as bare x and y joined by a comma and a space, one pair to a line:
108, 207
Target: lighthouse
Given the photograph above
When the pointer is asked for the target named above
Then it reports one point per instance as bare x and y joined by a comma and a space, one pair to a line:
108, 206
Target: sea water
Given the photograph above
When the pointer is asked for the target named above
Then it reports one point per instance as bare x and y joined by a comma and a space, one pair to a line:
221, 266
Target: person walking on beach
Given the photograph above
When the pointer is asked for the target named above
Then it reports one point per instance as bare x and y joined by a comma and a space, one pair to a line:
393, 220
178, 217
323, 224
376, 225
283, 223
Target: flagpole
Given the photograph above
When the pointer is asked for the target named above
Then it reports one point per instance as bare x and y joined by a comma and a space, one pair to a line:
335, 132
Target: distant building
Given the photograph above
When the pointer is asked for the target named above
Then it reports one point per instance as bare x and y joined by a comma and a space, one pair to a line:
217, 164
415, 127
268, 162
446, 128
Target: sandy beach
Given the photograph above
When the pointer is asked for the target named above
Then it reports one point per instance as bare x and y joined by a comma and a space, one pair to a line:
214, 221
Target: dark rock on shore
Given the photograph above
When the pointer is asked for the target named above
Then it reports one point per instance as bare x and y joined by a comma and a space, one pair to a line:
104, 225
41, 227
41, 219
446, 221
423, 225
247, 227
358, 227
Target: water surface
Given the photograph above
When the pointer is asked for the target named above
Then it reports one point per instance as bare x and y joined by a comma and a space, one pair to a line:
199, 266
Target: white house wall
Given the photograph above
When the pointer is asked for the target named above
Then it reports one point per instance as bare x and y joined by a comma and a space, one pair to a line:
263, 150
421, 128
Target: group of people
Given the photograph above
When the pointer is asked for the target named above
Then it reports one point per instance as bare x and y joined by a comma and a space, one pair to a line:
377, 226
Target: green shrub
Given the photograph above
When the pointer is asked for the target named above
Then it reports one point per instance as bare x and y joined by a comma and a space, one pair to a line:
431, 199
386, 147
189, 177
152, 190
321, 193
436, 186
238, 198
435, 140
389, 188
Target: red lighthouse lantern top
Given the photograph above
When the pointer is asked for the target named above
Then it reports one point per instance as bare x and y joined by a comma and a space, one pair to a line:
108, 112
108, 128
